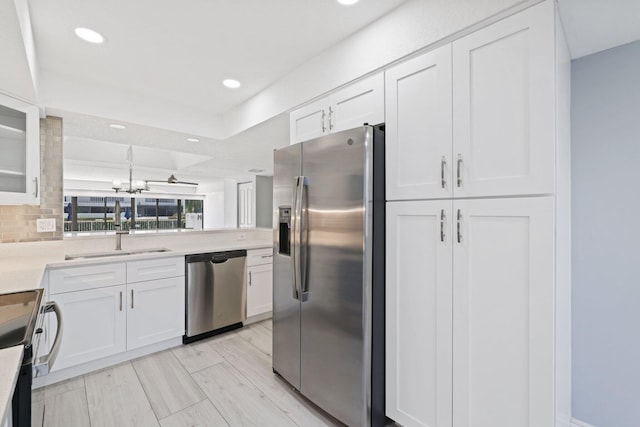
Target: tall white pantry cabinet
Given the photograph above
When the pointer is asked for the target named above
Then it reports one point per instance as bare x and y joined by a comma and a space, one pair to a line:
478, 229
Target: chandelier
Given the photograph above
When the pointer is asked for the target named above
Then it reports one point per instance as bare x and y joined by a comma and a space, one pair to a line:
131, 187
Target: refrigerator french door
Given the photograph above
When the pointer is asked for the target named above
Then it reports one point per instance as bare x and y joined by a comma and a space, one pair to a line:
328, 321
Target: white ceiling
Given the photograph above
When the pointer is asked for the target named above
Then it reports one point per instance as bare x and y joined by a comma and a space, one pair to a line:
595, 25
174, 53
93, 151
181, 51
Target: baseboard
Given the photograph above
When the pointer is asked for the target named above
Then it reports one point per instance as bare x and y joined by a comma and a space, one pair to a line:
95, 365
258, 318
578, 423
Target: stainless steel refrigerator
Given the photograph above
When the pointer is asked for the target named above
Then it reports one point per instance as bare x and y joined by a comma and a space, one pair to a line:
328, 297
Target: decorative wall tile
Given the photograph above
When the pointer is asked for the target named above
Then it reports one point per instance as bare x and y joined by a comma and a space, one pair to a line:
18, 223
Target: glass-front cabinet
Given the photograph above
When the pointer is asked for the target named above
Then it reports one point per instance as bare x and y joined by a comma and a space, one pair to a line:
20, 148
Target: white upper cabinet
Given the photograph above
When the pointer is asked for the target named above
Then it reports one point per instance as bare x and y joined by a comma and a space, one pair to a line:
359, 103
20, 160
418, 127
475, 118
503, 107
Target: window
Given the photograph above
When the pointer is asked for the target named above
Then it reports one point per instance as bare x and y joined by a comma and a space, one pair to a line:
91, 214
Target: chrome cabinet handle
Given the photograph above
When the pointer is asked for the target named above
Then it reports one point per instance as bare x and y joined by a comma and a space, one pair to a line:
458, 226
443, 165
330, 118
266, 256
442, 225
250, 278
324, 128
132, 298
36, 181
120, 300
459, 172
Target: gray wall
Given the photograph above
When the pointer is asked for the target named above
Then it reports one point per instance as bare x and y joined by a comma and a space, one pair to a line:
606, 229
264, 201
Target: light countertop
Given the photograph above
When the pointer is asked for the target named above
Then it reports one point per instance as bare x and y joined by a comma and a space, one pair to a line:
22, 265
10, 361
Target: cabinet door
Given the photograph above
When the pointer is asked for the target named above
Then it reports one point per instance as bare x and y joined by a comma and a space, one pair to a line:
503, 106
20, 160
308, 122
94, 325
503, 313
155, 311
245, 204
418, 313
359, 103
418, 128
259, 289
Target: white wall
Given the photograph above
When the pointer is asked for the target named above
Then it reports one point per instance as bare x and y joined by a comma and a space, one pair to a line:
230, 203
214, 210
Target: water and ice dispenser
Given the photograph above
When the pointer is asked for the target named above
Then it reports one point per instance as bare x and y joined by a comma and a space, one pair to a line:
284, 230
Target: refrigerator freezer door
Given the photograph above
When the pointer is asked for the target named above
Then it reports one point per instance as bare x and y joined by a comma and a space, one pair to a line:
335, 370
286, 308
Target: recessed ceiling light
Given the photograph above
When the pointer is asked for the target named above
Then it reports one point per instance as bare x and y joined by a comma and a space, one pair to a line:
193, 140
117, 126
233, 84
89, 35
347, 2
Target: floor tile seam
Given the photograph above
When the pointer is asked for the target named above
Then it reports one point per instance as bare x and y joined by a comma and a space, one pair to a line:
184, 371
144, 391
185, 408
265, 394
209, 399
207, 367
255, 346
86, 396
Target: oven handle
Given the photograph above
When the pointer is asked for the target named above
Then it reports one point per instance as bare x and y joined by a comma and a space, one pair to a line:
44, 363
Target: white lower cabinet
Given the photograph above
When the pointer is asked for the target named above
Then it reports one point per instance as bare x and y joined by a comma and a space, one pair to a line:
155, 311
470, 312
103, 321
259, 281
419, 313
259, 289
94, 325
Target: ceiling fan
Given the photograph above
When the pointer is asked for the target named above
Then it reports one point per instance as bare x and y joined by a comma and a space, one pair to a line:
171, 180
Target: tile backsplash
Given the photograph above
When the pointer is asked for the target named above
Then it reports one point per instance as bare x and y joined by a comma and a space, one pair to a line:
18, 222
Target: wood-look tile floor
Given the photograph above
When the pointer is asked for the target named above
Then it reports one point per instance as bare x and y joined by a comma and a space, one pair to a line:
221, 381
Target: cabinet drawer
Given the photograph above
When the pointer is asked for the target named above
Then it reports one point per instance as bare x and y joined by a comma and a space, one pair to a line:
259, 256
151, 269
90, 277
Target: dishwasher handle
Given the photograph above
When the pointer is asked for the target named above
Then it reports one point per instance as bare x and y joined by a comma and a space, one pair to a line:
219, 258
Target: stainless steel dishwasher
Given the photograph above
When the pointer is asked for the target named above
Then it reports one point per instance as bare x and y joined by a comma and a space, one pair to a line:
216, 293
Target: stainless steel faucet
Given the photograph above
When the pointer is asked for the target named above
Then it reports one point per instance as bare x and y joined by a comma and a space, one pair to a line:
118, 226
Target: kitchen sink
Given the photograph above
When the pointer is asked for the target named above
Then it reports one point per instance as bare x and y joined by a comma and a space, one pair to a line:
106, 254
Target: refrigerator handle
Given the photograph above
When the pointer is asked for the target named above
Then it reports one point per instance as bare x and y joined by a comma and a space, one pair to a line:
298, 254
303, 232
294, 239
